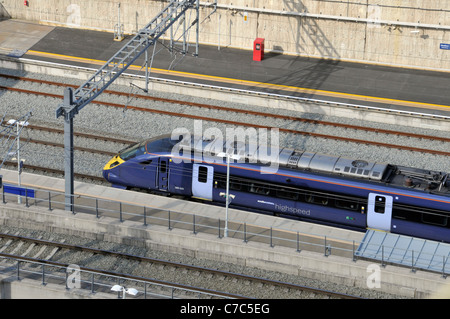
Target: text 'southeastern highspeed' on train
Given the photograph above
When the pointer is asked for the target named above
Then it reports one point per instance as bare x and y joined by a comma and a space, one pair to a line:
331, 190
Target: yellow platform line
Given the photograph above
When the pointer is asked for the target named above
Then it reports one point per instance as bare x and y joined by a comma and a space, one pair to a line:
255, 84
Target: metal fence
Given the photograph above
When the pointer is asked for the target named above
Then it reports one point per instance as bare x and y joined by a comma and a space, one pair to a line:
188, 221
73, 277
200, 224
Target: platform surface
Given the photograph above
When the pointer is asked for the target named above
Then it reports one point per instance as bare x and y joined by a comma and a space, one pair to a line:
355, 83
17, 37
405, 250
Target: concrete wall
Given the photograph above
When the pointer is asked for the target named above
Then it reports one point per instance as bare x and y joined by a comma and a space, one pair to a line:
3, 13
236, 23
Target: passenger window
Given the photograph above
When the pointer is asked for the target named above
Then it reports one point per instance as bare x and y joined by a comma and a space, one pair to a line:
380, 204
288, 194
163, 167
434, 219
346, 204
235, 185
315, 199
202, 174
259, 189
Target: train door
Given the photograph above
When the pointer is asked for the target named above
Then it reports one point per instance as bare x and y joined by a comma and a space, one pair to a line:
202, 181
163, 174
379, 211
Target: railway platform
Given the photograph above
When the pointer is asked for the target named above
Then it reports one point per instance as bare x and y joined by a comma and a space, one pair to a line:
331, 80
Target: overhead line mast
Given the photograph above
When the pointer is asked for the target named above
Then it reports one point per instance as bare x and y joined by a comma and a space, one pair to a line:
74, 101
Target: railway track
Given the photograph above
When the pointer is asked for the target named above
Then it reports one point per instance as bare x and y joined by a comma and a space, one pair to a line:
136, 267
256, 114
60, 172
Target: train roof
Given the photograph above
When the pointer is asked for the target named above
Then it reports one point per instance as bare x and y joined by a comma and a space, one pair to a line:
412, 178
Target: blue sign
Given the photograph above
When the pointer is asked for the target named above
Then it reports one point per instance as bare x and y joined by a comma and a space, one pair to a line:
18, 190
445, 46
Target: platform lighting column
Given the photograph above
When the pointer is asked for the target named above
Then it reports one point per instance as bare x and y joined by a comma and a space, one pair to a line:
19, 166
228, 196
19, 170
68, 149
227, 199
124, 290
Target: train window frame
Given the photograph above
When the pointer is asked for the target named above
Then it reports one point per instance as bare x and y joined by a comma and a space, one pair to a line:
163, 167
286, 194
380, 203
261, 189
433, 222
202, 174
234, 185
317, 199
338, 203
299, 194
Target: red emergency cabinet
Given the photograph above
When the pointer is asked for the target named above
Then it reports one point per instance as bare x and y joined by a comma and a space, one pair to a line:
258, 49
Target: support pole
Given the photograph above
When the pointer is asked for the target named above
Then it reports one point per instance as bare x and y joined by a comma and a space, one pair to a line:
197, 27
68, 149
184, 36
227, 200
146, 70
19, 169
68, 163
75, 101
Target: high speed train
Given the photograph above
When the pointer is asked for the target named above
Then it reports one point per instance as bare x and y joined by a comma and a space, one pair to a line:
332, 190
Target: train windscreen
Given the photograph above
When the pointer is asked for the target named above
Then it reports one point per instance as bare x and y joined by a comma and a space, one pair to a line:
132, 151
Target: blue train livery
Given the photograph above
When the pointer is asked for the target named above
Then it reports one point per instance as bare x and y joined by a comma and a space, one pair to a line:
332, 190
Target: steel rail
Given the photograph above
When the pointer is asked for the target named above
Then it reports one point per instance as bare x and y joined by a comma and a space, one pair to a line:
248, 92
176, 264
126, 276
250, 112
80, 134
54, 171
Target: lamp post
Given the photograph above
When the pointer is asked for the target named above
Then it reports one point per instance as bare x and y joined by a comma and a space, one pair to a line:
228, 196
118, 29
19, 162
130, 291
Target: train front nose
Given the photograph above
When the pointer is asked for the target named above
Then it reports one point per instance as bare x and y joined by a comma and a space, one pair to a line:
109, 173
113, 162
